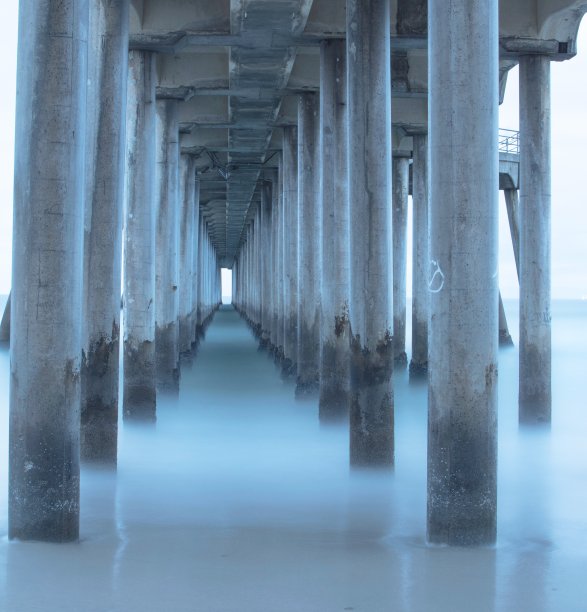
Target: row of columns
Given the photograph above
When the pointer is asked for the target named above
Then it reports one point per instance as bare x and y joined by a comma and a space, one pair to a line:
87, 125
338, 161
351, 326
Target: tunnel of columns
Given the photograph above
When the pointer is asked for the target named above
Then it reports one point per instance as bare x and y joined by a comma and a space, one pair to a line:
158, 142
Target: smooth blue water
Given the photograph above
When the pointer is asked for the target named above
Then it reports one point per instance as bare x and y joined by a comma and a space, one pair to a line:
239, 501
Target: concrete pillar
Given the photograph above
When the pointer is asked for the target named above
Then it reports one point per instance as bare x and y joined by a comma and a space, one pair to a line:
371, 305
505, 338
310, 251
139, 240
290, 249
462, 399
46, 302
420, 257
105, 165
275, 215
203, 293
200, 279
266, 255
5, 322
195, 263
334, 303
512, 207
535, 332
186, 244
256, 285
167, 268
204, 278
281, 269
400, 181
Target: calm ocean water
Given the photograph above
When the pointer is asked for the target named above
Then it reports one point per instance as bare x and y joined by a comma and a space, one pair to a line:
238, 501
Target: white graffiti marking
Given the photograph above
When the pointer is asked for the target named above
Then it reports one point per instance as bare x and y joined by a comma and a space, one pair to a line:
436, 283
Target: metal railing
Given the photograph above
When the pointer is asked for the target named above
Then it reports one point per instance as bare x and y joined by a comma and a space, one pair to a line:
509, 141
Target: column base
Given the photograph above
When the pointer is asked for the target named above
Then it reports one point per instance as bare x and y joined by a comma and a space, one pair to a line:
140, 396
44, 484
418, 371
534, 412
505, 339
99, 433
333, 405
289, 369
371, 405
166, 356
308, 386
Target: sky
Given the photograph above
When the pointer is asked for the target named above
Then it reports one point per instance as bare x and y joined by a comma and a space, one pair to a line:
569, 141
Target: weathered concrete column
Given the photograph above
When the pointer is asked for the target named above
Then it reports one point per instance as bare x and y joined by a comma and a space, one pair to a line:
256, 277
334, 303
505, 338
266, 262
46, 301
167, 268
371, 305
310, 251
200, 279
462, 399
105, 165
195, 263
204, 279
280, 267
139, 241
290, 249
186, 244
275, 269
400, 181
535, 332
512, 204
420, 257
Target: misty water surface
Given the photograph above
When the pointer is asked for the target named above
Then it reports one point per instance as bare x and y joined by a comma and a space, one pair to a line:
239, 501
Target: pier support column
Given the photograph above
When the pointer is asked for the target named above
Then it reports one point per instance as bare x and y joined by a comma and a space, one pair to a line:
105, 165
195, 262
371, 306
535, 237
46, 303
167, 268
512, 204
139, 244
505, 338
335, 291
200, 278
400, 181
310, 251
420, 257
462, 396
290, 249
186, 244
275, 269
266, 262
281, 285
